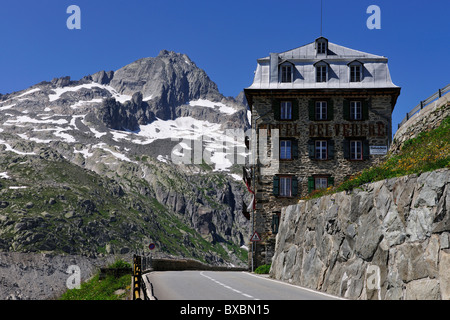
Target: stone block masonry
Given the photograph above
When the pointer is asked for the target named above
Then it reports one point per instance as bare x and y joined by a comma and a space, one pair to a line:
388, 240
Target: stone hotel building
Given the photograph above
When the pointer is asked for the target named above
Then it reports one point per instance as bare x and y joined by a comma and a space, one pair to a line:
332, 107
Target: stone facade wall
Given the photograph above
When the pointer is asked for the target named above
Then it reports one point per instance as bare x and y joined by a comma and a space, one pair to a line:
377, 130
388, 240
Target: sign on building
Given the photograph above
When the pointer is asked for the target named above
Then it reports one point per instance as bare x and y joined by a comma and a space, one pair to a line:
378, 150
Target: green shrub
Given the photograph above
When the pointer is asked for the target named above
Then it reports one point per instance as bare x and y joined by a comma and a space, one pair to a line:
264, 269
119, 264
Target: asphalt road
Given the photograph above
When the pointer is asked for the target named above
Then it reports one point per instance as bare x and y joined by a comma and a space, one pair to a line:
212, 285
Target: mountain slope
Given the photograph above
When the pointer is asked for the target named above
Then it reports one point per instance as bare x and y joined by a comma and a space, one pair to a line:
122, 129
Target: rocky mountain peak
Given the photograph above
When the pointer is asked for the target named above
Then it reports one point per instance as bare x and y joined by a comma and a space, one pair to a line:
171, 76
169, 86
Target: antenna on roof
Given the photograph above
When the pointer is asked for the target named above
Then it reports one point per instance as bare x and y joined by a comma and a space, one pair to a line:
320, 17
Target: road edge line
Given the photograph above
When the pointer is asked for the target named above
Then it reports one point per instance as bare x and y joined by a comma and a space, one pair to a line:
294, 285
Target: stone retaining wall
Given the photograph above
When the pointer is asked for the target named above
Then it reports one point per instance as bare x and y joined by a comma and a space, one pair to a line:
425, 120
387, 240
162, 264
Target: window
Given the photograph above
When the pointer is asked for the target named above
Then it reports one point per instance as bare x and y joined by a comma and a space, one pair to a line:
285, 186
286, 73
286, 110
355, 73
356, 152
285, 149
321, 150
355, 110
356, 149
321, 110
320, 183
321, 73
321, 47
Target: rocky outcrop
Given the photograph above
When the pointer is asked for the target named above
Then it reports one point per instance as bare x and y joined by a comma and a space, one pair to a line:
386, 240
25, 276
126, 116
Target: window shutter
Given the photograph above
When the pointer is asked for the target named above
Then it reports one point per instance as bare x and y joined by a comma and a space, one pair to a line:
330, 181
312, 110
346, 109
311, 149
294, 149
330, 149
366, 150
276, 106
346, 147
330, 111
295, 110
365, 109
276, 185
294, 189
310, 184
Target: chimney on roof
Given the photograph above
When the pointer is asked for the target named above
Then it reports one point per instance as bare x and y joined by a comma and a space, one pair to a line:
274, 67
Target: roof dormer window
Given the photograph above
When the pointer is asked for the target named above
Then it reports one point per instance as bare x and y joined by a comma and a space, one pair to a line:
355, 71
321, 71
321, 48
286, 72
321, 45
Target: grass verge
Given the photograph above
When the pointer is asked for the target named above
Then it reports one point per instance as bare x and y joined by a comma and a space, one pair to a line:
109, 288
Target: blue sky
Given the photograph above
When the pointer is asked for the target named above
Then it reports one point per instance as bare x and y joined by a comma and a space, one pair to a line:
222, 37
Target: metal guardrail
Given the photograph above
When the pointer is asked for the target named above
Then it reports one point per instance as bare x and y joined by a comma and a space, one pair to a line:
425, 103
137, 278
141, 265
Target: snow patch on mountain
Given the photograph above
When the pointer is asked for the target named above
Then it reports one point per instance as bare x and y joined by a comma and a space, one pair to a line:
182, 127
60, 91
7, 107
215, 105
4, 175
83, 103
9, 148
29, 92
27, 119
116, 154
